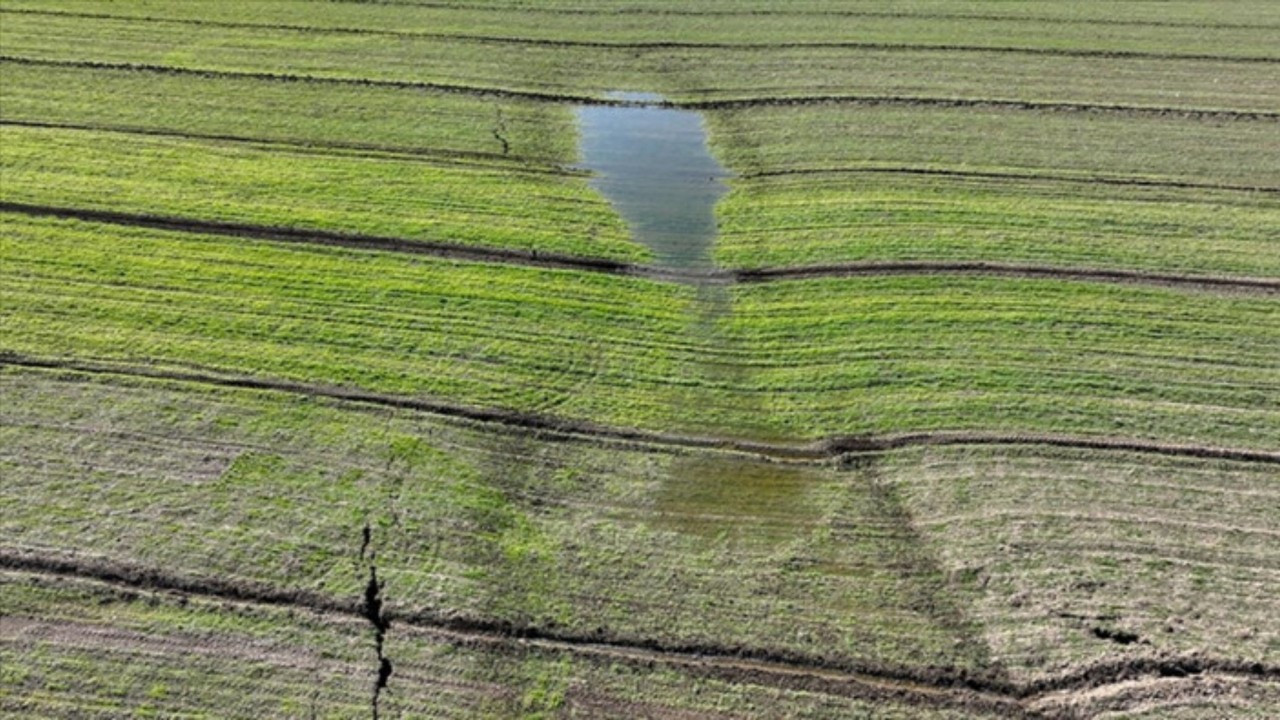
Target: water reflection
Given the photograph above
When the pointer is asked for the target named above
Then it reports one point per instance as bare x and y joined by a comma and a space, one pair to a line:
653, 164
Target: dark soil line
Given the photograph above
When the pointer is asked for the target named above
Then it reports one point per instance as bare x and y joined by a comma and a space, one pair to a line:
935, 686
465, 158
888, 14
859, 100
652, 45
838, 447
987, 175
533, 258
855, 269
978, 103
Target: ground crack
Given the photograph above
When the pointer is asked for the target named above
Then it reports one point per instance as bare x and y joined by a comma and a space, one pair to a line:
374, 612
500, 129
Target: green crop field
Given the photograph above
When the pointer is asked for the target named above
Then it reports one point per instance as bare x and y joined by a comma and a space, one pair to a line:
334, 385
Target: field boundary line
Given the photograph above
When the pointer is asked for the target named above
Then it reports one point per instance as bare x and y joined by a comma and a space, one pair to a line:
530, 95
994, 175
561, 261
938, 686
833, 448
669, 44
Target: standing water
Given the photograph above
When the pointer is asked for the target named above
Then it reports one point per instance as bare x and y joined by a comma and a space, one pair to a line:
653, 165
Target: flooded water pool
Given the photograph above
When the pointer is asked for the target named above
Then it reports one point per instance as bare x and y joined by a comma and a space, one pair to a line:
653, 165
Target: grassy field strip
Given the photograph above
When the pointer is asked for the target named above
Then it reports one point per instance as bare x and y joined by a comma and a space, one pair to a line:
264, 663
764, 222
1235, 284
745, 74
923, 346
878, 215
388, 119
469, 525
1176, 555
823, 357
497, 92
772, 139
404, 198
490, 514
845, 448
1201, 39
1249, 13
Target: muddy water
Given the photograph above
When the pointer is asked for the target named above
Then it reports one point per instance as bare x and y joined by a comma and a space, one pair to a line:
653, 165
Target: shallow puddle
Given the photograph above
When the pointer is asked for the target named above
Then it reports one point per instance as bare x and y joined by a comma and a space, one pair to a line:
653, 165
719, 497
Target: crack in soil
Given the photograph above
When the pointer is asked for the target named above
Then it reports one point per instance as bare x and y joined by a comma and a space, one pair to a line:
500, 130
373, 610
984, 690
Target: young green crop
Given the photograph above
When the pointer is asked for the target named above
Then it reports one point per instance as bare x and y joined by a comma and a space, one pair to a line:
795, 360
405, 197
380, 118
1248, 35
873, 216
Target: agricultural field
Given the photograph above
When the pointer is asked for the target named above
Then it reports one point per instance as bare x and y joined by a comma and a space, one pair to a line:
334, 385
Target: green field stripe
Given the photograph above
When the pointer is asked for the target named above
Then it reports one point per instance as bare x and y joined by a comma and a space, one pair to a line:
786, 99
656, 44
385, 196
939, 215
816, 357
371, 118
776, 139
703, 278
1237, 39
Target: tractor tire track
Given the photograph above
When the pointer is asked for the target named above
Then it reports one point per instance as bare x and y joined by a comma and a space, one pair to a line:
558, 428
944, 687
742, 103
559, 261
